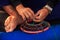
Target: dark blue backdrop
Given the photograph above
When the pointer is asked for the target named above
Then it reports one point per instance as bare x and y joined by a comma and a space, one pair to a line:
52, 34
35, 5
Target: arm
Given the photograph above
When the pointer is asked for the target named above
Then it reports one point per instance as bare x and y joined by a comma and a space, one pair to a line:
5, 4
50, 4
10, 10
46, 10
25, 12
13, 20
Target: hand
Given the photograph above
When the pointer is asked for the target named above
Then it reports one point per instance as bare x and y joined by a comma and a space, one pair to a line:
41, 15
11, 22
26, 13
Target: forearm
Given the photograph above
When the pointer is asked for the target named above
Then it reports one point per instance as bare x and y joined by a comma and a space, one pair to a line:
10, 10
50, 5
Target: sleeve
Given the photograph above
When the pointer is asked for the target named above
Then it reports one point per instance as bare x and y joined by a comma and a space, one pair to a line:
4, 2
15, 2
52, 3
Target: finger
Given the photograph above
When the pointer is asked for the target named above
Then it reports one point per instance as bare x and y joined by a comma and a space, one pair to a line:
7, 28
26, 15
30, 15
35, 20
38, 13
37, 17
41, 18
11, 26
7, 20
23, 16
31, 11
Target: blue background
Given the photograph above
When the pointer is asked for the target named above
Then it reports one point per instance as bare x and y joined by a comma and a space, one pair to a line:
52, 34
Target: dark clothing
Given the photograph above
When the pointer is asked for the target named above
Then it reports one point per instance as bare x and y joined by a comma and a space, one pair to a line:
3, 2
52, 3
15, 2
35, 4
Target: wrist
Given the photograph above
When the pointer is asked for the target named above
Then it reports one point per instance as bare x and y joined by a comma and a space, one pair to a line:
10, 10
20, 6
48, 8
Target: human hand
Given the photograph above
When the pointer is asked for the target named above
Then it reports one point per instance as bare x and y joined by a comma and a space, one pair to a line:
25, 12
41, 15
11, 22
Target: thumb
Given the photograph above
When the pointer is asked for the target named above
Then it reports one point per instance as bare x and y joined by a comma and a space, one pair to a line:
38, 13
